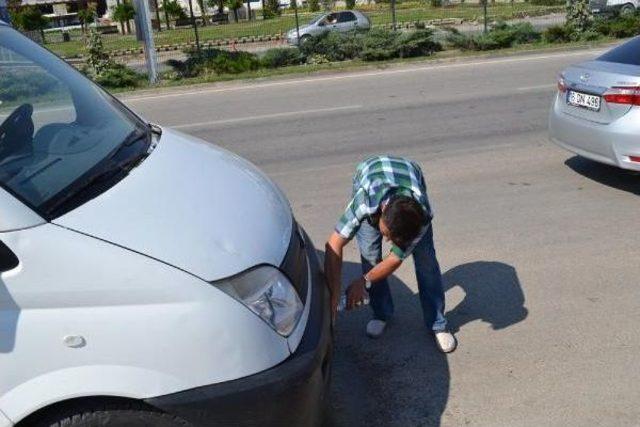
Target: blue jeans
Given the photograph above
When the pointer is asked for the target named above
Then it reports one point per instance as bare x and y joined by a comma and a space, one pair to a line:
427, 273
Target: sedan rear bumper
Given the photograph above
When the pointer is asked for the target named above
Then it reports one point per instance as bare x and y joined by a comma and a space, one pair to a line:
292, 393
611, 144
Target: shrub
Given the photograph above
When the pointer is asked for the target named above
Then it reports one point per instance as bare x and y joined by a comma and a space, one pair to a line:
314, 5
334, 46
379, 45
119, 76
30, 18
619, 27
317, 58
418, 43
350, 4
501, 35
558, 34
235, 62
281, 57
547, 2
375, 45
215, 60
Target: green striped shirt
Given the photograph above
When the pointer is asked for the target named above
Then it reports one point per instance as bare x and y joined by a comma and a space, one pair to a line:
376, 180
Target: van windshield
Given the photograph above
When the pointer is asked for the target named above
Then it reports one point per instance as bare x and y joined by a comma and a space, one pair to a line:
63, 140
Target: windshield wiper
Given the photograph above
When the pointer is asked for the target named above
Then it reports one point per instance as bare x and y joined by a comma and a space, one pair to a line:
111, 170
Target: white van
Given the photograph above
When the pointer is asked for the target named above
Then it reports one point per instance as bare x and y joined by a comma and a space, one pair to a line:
147, 278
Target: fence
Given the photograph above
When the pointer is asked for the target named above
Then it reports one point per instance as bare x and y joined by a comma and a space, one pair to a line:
258, 30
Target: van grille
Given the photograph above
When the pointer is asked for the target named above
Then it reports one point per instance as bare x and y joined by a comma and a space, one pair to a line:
294, 265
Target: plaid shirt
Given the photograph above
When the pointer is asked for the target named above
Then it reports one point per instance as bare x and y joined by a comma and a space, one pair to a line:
376, 180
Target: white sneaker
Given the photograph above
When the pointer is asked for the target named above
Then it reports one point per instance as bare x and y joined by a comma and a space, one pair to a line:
375, 328
445, 341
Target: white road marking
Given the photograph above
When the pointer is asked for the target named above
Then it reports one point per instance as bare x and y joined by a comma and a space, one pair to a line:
432, 67
267, 116
528, 88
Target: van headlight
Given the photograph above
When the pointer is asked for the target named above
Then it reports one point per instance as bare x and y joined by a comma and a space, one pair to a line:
269, 294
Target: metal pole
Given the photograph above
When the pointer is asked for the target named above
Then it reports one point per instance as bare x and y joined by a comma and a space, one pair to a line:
145, 34
393, 14
484, 7
295, 10
195, 27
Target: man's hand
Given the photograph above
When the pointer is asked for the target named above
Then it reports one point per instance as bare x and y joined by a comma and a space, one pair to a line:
356, 293
333, 269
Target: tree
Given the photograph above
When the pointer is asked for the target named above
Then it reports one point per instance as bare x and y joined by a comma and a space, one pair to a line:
172, 10
97, 59
123, 13
350, 4
234, 5
203, 12
30, 18
271, 9
86, 16
578, 14
314, 5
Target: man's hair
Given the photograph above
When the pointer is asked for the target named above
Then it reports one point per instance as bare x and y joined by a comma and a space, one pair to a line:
404, 217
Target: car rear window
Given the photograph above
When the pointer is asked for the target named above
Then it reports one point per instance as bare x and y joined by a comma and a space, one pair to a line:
628, 53
346, 17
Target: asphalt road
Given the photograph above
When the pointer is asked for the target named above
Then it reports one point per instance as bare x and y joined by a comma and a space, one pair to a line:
538, 248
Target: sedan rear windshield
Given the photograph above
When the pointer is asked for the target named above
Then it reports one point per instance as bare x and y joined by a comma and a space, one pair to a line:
628, 53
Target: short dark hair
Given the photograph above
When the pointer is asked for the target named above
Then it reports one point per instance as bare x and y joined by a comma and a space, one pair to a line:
404, 217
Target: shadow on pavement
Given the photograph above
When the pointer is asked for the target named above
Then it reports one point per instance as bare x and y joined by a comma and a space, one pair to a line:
604, 174
402, 379
9, 313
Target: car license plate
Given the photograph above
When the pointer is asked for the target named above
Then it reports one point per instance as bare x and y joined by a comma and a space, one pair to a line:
584, 100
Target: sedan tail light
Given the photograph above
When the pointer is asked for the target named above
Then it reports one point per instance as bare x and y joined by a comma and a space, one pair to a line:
627, 95
562, 84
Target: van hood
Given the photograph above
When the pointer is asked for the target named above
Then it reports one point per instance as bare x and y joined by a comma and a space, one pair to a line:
192, 205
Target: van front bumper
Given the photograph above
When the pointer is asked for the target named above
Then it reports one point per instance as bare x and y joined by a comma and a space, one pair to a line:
292, 393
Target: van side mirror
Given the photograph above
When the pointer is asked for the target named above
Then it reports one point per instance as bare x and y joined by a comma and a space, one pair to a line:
8, 260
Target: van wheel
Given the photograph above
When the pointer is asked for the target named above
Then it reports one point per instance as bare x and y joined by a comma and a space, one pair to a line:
627, 9
106, 413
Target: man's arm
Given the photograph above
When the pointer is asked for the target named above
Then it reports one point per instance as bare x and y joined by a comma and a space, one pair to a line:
333, 267
379, 272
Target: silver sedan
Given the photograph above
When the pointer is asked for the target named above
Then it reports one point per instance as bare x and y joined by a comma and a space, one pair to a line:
596, 112
343, 21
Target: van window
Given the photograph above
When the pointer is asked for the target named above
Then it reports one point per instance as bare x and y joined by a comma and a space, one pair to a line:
57, 129
628, 53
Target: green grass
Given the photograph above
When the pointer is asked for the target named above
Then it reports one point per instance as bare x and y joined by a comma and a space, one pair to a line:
407, 12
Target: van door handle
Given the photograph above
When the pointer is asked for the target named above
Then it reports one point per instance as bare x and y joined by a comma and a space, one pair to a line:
8, 260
